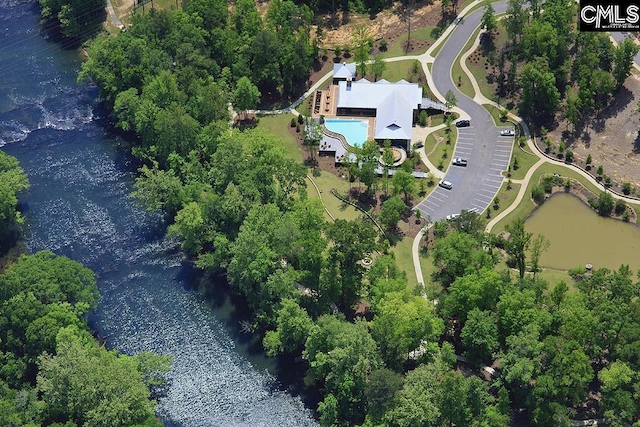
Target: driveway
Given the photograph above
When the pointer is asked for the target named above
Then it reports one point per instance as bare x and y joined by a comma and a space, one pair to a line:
474, 186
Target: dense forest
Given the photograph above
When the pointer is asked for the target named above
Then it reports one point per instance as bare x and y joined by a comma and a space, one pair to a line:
548, 66
52, 370
74, 19
562, 350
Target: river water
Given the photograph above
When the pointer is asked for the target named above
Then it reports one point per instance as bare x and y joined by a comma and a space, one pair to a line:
79, 205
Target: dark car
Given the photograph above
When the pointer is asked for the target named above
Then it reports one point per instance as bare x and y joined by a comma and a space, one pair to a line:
463, 123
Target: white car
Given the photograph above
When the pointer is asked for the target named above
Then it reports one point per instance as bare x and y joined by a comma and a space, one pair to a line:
508, 132
445, 184
458, 161
451, 217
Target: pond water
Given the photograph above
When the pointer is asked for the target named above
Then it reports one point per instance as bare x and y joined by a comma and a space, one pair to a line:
578, 236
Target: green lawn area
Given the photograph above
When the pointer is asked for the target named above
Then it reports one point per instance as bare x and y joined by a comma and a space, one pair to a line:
325, 182
495, 115
436, 145
507, 197
526, 159
403, 70
460, 78
404, 259
278, 124
526, 206
479, 71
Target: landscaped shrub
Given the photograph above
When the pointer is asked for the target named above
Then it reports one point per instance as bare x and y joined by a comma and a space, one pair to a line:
607, 180
569, 156
626, 215
626, 188
293, 122
383, 45
589, 161
548, 181
537, 193
605, 204
620, 206
600, 171
577, 272
300, 119
423, 117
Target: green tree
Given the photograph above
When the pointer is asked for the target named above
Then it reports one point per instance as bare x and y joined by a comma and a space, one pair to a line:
246, 95
312, 136
605, 204
387, 162
479, 289
518, 243
489, 22
92, 386
368, 156
450, 99
402, 323
391, 211
540, 96
515, 20
619, 404
538, 246
352, 240
404, 182
480, 335
377, 67
415, 404
341, 357
623, 61
380, 392
293, 326
13, 180
77, 19
458, 254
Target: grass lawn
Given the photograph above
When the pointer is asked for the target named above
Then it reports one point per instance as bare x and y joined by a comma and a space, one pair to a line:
495, 115
479, 71
507, 197
526, 206
278, 124
325, 182
526, 159
404, 259
436, 145
403, 70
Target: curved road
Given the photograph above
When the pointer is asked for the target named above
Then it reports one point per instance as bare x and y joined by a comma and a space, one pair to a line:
474, 186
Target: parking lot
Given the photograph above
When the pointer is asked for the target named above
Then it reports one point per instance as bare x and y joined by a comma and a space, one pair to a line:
474, 185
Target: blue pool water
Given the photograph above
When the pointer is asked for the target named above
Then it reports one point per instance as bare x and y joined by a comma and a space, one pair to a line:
355, 131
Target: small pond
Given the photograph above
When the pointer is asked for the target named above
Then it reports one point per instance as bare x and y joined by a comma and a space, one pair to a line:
578, 236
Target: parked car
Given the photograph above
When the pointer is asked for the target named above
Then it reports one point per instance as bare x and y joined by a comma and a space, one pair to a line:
451, 217
463, 123
418, 144
445, 184
458, 161
508, 132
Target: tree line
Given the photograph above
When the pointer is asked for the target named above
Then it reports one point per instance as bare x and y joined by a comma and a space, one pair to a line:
550, 66
52, 370
239, 205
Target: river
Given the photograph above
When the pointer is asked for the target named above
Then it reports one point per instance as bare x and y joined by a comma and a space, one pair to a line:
79, 205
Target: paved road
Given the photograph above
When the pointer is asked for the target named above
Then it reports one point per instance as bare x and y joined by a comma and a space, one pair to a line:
619, 38
474, 186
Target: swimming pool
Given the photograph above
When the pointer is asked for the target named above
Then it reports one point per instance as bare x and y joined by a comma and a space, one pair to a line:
355, 131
